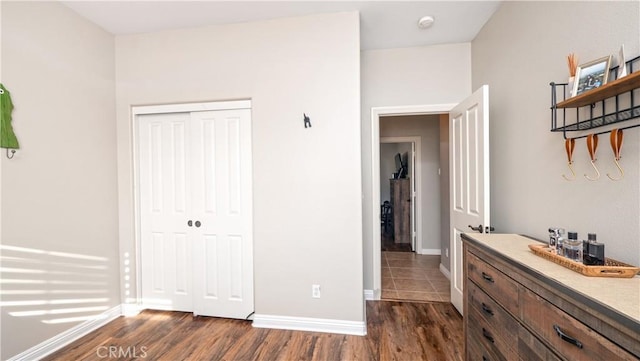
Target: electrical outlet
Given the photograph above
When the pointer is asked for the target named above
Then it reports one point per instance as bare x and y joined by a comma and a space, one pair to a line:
315, 291
446, 252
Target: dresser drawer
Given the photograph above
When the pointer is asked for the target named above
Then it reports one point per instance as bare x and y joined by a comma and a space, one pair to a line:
488, 340
570, 338
531, 349
495, 283
493, 314
475, 352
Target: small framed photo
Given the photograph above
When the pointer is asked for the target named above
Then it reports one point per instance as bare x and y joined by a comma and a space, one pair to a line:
592, 75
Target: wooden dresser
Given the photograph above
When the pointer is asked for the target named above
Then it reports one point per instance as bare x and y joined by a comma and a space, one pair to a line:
401, 204
518, 306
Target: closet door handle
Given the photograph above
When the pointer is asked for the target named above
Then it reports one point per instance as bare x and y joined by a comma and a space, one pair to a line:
198, 224
190, 223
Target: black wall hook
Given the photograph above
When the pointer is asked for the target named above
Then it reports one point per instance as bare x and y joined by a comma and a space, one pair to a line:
307, 121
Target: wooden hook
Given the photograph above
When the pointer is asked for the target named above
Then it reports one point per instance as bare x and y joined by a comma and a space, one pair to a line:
592, 146
569, 145
616, 145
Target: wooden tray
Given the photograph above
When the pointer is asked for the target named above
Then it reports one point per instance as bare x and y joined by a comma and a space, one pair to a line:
612, 268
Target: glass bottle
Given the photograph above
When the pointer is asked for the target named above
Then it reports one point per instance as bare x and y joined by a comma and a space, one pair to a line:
593, 252
572, 247
554, 235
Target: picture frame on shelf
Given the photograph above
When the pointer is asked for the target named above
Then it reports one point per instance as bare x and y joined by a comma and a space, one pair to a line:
592, 75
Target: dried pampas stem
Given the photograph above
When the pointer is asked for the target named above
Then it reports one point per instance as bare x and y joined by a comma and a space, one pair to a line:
572, 61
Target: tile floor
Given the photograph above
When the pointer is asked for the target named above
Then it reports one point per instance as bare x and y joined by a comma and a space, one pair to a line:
414, 277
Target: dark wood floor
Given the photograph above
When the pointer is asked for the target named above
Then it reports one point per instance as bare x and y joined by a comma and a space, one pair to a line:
396, 331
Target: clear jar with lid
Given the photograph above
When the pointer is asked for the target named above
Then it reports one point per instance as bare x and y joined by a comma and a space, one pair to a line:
572, 247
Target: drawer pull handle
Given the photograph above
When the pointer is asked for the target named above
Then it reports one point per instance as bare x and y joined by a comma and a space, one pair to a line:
487, 335
486, 309
567, 338
487, 277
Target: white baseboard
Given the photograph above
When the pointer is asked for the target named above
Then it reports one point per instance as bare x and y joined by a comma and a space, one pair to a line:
131, 309
368, 295
431, 252
57, 342
310, 324
445, 272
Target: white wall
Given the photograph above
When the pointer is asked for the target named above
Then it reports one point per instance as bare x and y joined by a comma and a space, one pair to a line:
59, 193
425, 127
410, 76
307, 183
519, 51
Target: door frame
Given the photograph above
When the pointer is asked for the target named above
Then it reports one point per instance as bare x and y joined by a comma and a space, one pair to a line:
135, 191
376, 113
416, 217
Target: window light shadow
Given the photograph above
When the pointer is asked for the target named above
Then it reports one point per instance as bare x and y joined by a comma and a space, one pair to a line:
52, 287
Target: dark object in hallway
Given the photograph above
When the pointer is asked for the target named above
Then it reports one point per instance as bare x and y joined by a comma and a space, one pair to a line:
400, 193
395, 331
386, 217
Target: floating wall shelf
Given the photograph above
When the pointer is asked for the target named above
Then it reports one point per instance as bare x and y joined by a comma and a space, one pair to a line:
614, 102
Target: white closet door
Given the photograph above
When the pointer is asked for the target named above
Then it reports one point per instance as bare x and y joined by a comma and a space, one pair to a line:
164, 205
195, 200
223, 245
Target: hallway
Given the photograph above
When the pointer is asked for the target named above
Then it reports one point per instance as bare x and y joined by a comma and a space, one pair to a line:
413, 277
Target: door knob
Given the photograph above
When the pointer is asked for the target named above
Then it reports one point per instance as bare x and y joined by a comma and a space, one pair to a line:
190, 223
198, 223
477, 229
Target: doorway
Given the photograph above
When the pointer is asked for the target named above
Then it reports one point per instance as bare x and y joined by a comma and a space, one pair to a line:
413, 276
401, 224
376, 115
469, 201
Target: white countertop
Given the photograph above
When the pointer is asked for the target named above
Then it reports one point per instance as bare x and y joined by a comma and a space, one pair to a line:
620, 294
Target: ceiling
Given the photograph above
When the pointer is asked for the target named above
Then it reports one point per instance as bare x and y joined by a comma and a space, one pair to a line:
383, 24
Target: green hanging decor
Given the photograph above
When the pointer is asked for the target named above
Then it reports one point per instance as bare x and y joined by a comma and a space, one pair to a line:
7, 136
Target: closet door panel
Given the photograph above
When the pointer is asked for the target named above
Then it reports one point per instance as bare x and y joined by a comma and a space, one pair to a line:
164, 202
223, 154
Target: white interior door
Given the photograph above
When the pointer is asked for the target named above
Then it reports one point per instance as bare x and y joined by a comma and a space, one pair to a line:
164, 210
469, 172
195, 199
223, 247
